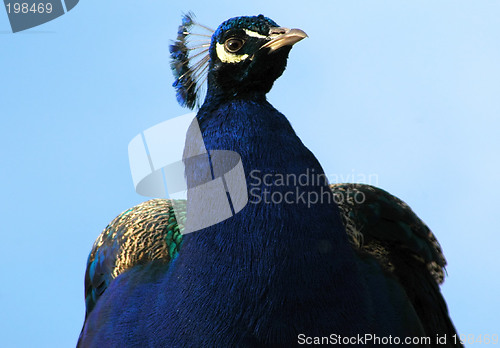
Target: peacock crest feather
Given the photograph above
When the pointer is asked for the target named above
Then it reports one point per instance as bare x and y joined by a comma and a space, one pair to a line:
190, 58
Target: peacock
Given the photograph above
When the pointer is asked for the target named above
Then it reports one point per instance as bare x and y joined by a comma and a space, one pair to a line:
356, 267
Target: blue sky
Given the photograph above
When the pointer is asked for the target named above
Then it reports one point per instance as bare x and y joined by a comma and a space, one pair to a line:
405, 91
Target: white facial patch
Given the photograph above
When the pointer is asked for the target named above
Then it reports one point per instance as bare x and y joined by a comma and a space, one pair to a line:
227, 57
254, 34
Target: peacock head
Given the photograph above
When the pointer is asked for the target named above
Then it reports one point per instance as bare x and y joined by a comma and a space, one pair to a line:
244, 57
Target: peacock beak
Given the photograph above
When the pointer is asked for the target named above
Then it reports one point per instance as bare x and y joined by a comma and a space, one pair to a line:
283, 37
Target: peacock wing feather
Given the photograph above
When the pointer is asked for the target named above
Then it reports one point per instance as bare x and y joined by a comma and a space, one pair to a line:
150, 231
383, 226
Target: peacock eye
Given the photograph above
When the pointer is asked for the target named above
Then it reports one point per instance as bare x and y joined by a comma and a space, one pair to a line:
233, 45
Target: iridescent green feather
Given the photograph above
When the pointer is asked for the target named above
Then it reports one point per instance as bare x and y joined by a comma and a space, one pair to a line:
147, 232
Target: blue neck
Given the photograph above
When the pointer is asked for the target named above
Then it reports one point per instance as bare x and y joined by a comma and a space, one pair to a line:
256, 268
293, 214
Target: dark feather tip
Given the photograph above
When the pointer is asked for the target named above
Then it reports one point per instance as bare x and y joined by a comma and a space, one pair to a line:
185, 70
188, 19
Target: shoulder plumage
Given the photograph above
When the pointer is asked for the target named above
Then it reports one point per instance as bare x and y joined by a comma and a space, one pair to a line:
386, 227
149, 231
